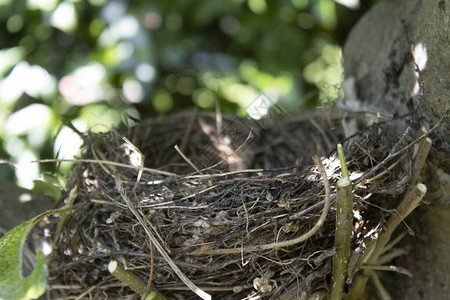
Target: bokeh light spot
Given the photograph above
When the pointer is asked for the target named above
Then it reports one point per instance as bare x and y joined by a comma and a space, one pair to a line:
64, 17
29, 117
10, 57
68, 143
162, 101
300, 4
14, 23
152, 20
257, 6
33, 80
126, 27
204, 98
133, 90
325, 11
84, 85
45, 5
229, 24
113, 11
145, 72
27, 170
42, 32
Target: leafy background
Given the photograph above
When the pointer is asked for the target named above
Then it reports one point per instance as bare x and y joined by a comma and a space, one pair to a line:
95, 63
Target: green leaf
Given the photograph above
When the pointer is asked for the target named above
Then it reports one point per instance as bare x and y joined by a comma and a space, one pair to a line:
46, 188
12, 284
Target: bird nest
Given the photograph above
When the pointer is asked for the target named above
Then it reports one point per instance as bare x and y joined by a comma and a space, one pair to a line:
237, 210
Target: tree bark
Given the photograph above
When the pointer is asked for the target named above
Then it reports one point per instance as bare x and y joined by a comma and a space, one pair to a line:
397, 61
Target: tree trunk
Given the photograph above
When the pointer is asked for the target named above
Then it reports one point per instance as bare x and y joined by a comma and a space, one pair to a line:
397, 61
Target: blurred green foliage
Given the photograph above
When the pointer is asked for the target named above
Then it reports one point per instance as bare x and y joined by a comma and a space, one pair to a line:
92, 62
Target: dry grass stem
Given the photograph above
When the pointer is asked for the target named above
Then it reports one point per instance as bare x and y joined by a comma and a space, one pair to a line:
187, 160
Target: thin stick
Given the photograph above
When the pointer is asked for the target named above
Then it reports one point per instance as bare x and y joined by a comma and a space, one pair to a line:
150, 277
111, 163
209, 268
287, 243
187, 159
202, 294
343, 236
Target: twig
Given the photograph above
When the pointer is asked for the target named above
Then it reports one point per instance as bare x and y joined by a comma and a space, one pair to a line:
343, 235
187, 160
344, 219
150, 277
287, 243
111, 163
205, 268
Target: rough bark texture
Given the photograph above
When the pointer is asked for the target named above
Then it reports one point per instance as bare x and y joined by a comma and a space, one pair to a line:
379, 67
379, 61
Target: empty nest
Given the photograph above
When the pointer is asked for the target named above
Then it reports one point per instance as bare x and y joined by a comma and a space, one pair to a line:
231, 186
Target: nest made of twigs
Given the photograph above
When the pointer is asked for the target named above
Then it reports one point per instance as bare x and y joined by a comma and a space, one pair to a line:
229, 187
